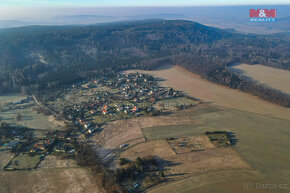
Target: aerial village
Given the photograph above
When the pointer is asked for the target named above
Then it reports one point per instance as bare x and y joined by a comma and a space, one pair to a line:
87, 111
123, 96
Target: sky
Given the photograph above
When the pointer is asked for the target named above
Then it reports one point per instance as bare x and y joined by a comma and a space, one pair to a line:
37, 9
105, 3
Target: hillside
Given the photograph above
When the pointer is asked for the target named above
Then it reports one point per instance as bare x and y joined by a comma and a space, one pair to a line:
47, 57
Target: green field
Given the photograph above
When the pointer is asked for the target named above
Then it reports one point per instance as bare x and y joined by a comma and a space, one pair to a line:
167, 131
30, 118
262, 141
24, 161
10, 98
174, 103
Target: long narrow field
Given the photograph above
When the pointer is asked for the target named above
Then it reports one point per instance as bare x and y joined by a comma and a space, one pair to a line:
272, 77
180, 79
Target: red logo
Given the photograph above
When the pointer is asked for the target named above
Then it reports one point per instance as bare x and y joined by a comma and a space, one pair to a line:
263, 13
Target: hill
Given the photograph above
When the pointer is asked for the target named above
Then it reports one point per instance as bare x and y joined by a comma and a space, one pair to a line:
48, 57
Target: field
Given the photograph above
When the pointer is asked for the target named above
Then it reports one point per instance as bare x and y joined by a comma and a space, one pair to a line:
272, 77
51, 161
10, 98
174, 104
180, 164
167, 131
120, 132
261, 130
191, 84
30, 118
5, 157
261, 141
260, 153
23, 162
71, 180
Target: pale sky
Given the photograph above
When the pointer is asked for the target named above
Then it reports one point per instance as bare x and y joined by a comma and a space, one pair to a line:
60, 3
38, 9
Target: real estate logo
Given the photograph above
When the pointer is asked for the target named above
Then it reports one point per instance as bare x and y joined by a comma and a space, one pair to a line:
263, 15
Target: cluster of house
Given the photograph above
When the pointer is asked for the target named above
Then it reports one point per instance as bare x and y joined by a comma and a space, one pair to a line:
134, 90
140, 87
87, 127
14, 138
42, 145
62, 148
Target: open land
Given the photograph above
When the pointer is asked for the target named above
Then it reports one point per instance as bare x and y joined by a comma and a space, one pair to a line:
71, 180
261, 129
180, 79
91, 108
30, 118
190, 161
272, 77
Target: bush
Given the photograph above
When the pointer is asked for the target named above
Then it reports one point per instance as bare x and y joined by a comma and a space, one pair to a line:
124, 161
151, 181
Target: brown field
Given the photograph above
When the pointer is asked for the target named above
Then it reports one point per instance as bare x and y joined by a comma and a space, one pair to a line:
52, 119
5, 157
202, 140
187, 163
180, 79
272, 77
261, 129
51, 161
159, 148
261, 140
119, 132
73, 180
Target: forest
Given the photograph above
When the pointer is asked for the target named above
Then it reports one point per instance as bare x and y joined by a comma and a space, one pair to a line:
46, 58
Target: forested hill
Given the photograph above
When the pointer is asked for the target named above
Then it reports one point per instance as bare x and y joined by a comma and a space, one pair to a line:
46, 57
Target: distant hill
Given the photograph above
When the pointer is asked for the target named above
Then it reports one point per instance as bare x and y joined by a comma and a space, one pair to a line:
226, 17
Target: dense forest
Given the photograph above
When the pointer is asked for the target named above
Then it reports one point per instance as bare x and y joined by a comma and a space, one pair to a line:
39, 58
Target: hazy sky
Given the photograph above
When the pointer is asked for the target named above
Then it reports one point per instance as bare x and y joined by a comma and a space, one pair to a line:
37, 9
35, 3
